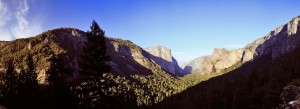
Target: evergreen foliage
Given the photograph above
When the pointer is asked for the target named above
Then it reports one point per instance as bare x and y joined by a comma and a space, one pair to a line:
94, 52
58, 91
28, 85
255, 85
9, 87
19, 88
94, 65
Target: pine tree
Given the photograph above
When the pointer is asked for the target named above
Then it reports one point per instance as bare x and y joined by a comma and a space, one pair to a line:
55, 74
28, 77
59, 94
9, 94
31, 71
28, 86
94, 52
94, 65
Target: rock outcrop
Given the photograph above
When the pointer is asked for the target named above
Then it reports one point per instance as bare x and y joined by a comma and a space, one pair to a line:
219, 60
282, 40
130, 59
290, 97
163, 57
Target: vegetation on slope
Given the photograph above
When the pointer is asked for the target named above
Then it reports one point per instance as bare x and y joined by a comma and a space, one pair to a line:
255, 85
138, 91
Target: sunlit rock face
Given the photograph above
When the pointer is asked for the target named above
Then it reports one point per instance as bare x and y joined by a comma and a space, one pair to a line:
220, 59
163, 57
281, 40
293, 26
130, 59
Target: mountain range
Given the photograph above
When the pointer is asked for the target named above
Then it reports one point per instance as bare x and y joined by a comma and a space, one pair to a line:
127, 58
263, 82
153, 63
279, 41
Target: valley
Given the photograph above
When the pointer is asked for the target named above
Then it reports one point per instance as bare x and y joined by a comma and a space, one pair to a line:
249, 77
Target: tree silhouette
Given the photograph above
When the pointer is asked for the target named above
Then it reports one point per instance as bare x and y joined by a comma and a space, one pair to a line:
9, 91
94, 52
56, 72
28, 86
58, 91
94, 65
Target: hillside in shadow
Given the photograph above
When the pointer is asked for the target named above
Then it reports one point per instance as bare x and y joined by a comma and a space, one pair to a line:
255, 85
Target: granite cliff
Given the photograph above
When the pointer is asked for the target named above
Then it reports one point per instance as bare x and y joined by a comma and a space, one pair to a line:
163, 57
280, 41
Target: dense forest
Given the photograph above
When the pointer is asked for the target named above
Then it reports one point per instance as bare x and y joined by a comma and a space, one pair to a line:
255, 85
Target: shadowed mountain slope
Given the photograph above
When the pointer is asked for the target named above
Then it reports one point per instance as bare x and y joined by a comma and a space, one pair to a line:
257, 84
127, 58
281, 40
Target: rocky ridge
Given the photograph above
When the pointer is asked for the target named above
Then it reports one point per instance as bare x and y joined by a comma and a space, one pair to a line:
127, 58
281, 40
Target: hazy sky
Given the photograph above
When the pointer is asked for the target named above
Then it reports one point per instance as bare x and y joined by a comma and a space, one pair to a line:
191, 28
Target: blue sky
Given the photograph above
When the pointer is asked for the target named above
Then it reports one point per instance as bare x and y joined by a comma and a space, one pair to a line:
191, 28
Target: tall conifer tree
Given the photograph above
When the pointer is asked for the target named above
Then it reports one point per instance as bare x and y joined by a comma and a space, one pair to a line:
59, 91
94, 52
94, 65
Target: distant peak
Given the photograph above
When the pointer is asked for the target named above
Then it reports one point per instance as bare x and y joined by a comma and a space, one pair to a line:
158, 47
66, 29
220, 49
63, 33
293, 26
297, 17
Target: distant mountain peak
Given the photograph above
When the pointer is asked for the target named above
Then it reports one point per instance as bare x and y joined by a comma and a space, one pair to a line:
279, 41
293, 26
160, 51
127, 58
163, 56
219, 50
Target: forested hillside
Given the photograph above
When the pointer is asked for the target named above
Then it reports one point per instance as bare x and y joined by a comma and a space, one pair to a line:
255, 85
